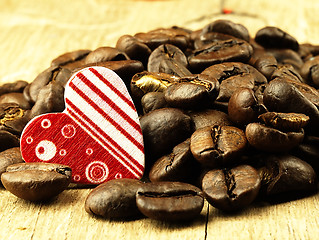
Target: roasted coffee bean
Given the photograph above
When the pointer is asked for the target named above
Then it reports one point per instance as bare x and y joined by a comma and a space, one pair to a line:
170, 56
15, 97
70, 60
310, 71
274, 37
153, 100
243, 107
52, 74
287, 56
104, 54
231, 189
272, 140
114, 199
210, 37
36, 181
50, 99
291, 96
170, 201
285, 121
231, 50
227, 27
264, 63
17, 86
157, 37
193, 92
234, 75
13, 118
286, 173
285, 72
145, 82
134, 48
178, 166
217, 146
308, 50
9, 157
209, 117
8, 140
163, 129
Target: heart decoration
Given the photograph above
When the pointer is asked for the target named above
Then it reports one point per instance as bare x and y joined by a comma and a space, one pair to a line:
98, 134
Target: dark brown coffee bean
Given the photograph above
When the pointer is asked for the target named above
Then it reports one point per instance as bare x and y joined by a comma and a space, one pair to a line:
210, 37
234, 75
178, 166
274, 37
153, 100
227, 27
114, 199
286, 72
8, 140
104, 54
13, 118
145, 82
192, 92
170, 201
217, 146
272, 140
169, 59
231, 189
264, 63
70, 59
291, 96
287, 56
285, 121
310, 71
163, 129
286, 173
17, 86
17, 98
36, 181
243, 107
9, 157
209, 117
231, 50
157, 37
134, 48
308, 50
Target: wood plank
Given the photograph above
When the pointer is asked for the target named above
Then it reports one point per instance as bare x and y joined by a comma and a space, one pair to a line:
34, 32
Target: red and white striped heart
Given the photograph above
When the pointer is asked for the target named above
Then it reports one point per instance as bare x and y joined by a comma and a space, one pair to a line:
98, 134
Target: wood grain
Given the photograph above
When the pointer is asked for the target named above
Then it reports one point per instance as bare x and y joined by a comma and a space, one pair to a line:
34, 32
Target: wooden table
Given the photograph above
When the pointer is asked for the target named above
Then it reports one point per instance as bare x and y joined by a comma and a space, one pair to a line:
34, 32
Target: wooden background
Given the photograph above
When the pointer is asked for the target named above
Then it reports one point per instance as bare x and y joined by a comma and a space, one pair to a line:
34, 32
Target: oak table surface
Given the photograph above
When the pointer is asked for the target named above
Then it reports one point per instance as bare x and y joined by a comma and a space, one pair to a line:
34, 32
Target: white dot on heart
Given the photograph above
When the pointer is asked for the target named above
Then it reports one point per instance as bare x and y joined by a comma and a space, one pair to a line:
62, 152
29, 140
46, 123
76, 178
118, 175
89, 151
97, 172
45, 150
68, 131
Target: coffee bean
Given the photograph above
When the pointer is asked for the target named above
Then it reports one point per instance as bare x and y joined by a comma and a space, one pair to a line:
178, 166
9, 157
114, 199
209, 117
170, 201
286, 173
287, 57
36, 181
217, 146
70, 60
17, 86
272, 140
310, 71
163, 129
231, 189
8, 140
210, 37
153, 100
15, 97
104, 54
284, 72
274, 37
264, 63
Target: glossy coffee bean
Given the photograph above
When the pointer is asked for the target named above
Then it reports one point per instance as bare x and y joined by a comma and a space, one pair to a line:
217, 146
274, 37
210, 37
15, 97
264, 63
36, 181
286, 173
163, 129
310, 71
272, 140
104, 54
231, 189
17, 86
209, 117
170, 201
8, 140
287, 57
70, 60
114, 199
179, 165
153, 100
9, 157
284, 72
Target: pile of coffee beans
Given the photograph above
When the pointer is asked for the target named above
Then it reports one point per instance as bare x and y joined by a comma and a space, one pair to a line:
225, 116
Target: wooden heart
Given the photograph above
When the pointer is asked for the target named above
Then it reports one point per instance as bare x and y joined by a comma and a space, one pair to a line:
98, 134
